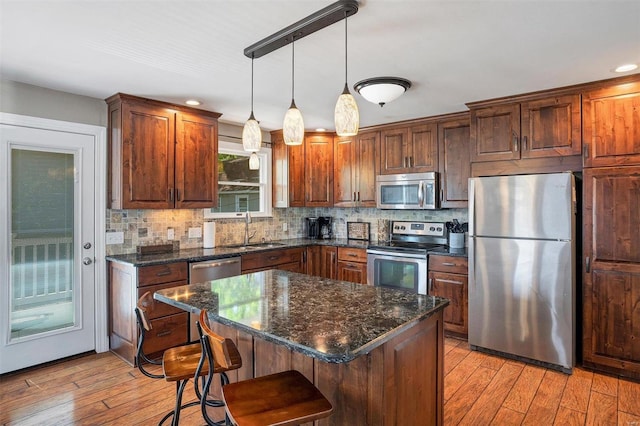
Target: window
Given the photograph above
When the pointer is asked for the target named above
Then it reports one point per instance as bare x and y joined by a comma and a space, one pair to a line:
240, 189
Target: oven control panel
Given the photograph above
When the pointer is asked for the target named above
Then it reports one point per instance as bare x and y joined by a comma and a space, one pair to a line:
432, 229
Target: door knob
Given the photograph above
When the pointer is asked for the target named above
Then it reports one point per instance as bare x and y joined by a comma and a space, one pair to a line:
87, 261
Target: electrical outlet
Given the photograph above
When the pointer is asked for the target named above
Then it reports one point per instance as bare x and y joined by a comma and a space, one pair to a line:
285, 227
114, 238
195, 232
171, 234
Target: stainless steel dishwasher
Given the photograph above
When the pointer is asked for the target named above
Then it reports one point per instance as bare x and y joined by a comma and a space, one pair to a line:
211, 270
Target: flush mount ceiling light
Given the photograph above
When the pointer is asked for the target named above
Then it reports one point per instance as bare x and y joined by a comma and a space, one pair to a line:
381, 90
192, 102
312, 23
251, 134
626, 68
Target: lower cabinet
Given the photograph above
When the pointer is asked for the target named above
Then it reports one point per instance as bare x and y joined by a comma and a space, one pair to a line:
288, 260
448, 278
352, 264
169, 325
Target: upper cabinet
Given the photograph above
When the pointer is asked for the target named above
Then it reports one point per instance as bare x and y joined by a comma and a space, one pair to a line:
303, 174
161, 155
536, 128
454, 166
611, 122
354, 174
409, 149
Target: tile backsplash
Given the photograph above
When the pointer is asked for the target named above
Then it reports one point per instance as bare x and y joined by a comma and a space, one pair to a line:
149, 227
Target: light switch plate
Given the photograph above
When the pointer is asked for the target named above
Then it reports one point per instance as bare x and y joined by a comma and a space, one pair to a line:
195, 232
171, 234
114, 238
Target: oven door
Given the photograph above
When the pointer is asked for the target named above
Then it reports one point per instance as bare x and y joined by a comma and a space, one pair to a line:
402, 271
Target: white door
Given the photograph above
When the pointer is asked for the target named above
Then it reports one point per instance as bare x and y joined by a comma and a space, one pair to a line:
47, 225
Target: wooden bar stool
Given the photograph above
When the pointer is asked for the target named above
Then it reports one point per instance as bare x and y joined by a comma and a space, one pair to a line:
179, 364
286, 398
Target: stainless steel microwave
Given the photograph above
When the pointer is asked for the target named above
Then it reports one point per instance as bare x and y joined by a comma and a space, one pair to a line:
411, 191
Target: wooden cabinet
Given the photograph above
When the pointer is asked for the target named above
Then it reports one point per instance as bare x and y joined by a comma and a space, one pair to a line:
354, 173
533, 128
322, 261
286, 259
448, 278
454, 161
611, 339
352, 265
304, 172
161, 155
126, 285
409, 149
611, 122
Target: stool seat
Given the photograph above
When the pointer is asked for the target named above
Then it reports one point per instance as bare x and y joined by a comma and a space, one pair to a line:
181, 362
286, 398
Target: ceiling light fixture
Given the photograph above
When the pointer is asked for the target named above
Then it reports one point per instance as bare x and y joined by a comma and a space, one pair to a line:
381, 90
626, 68
251, 134
293, 125
346, 115
192, 102
254, 161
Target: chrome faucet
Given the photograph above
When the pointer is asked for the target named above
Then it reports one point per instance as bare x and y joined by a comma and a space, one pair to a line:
247, 237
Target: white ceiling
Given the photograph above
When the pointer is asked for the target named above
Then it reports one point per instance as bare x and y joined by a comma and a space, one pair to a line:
452, 51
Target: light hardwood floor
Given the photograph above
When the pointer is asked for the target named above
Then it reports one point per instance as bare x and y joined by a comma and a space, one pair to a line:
480, 389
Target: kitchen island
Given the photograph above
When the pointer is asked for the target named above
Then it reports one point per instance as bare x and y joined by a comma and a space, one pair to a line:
376, 354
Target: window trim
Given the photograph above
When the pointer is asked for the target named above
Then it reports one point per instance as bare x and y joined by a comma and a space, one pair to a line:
227, 147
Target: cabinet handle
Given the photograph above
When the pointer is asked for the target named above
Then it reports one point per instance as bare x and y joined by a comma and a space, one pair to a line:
273, 257
448, 264
164, 333
304, 256
524, 143
354, 196
515, 142
441, 195
171, 194
430, 285
358, 195
163, 273
352, 255
177, 195
585, 151
411, 161
404, 162
588, 264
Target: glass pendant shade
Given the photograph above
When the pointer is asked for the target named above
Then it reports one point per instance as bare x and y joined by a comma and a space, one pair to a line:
251, 135
346, 114
254, 161
293, 126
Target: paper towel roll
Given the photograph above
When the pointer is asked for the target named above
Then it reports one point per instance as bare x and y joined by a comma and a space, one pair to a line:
209, 235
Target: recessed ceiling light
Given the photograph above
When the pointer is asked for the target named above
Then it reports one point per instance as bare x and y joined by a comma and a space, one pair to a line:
192, 102
626, 67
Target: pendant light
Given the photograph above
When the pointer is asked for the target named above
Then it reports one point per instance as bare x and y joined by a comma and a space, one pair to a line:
254, 161
251, 134
293, 125
346, 115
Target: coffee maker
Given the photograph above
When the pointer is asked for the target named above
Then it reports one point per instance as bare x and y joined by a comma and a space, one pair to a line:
312, 227
326, 231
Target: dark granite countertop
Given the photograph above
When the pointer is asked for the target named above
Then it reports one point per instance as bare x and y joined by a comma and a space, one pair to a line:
333, 321
201, 254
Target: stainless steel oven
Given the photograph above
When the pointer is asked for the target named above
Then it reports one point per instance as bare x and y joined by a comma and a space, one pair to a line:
416, 191
401, 263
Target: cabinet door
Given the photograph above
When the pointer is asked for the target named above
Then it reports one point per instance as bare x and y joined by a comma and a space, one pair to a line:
551, 127
318, 171
365, 154
495, 133
148, 136
612, 269
454, 288
423, 148
393, 150
344, 172
314, 261
611, 122
280, 170
296, 175
455, 168
196, 161
352, 272
329, 258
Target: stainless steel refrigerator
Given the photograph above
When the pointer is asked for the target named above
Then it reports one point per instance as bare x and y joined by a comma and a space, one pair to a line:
522, 268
